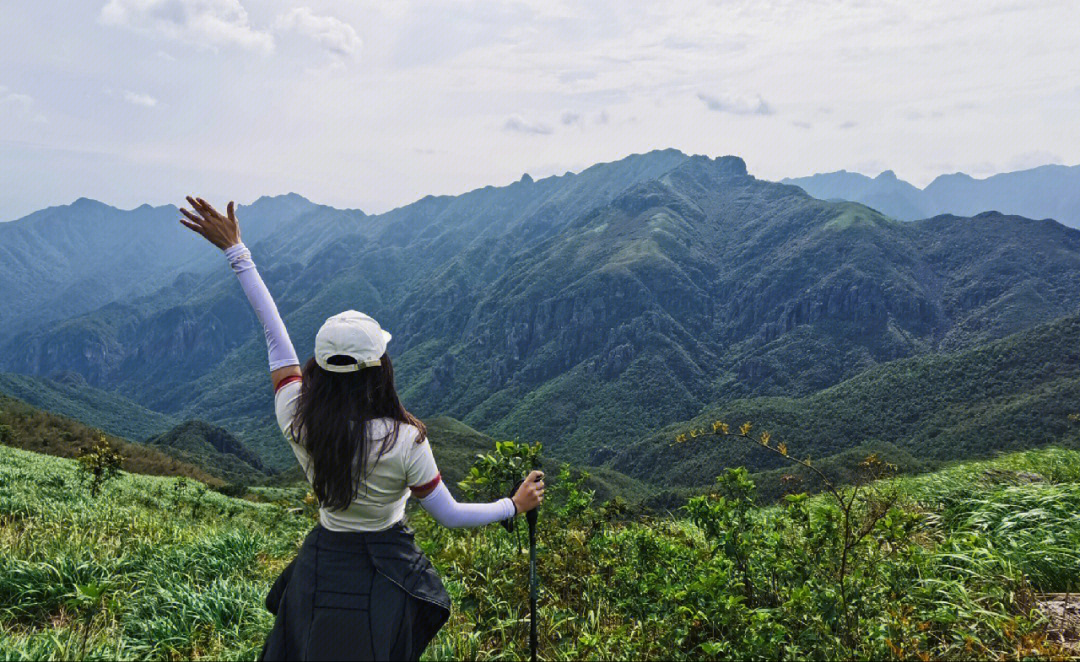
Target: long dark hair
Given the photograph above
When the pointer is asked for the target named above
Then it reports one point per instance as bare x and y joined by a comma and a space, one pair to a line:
332, 424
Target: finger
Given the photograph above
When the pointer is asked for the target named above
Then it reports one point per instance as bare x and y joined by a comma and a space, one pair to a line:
191, 217
193, 226
208, 207
194, 203
231, 209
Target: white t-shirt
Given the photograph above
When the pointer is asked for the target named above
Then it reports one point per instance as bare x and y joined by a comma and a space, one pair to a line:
380, 501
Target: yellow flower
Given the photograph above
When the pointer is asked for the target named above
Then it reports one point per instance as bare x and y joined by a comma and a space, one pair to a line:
720, 426
765, 437
745, 428
693, 434
680, 439
782, 447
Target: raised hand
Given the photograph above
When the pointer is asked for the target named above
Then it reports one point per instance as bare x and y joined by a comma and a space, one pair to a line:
221, 231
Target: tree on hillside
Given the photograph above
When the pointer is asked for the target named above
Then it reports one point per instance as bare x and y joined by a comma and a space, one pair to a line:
99, 464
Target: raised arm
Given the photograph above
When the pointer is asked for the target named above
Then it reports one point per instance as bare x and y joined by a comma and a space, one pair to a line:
224, 232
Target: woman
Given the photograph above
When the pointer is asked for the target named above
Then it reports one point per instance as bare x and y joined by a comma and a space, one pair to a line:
359, 587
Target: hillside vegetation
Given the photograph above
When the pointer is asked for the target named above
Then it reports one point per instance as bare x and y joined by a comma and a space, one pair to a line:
210, 446
29, 428
155, 568
1012, 394
68, 394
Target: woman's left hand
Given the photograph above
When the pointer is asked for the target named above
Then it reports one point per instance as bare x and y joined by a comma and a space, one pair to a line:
221, 231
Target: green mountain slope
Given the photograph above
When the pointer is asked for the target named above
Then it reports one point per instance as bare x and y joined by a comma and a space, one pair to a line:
26, 427
72, 259
1011, 394
69, 395
584, 311
212, 447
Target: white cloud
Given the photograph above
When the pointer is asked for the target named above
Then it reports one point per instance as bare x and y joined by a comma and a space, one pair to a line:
1033, 159
204, 23
521, 125
9, 99
568, 118
335, 35
445, 76
19, 106
737, 105
576, 76
139, 99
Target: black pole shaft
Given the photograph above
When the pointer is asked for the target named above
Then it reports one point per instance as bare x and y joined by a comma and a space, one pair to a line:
531, 517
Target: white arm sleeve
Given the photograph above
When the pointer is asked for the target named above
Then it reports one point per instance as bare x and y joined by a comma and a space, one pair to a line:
278, 345
448, 512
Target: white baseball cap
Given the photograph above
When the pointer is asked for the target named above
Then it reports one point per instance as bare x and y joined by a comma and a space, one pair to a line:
354, 334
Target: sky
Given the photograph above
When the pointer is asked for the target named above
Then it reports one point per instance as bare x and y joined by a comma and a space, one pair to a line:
372, 104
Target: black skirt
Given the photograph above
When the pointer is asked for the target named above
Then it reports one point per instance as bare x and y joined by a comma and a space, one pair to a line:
356, 596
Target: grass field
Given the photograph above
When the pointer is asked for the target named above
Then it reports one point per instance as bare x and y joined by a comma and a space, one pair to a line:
161, 568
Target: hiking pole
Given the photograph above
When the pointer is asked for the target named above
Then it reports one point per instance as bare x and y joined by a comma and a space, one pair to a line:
530, 517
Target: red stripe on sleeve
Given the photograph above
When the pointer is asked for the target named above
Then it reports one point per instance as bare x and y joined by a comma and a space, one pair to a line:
288, 380
428, 485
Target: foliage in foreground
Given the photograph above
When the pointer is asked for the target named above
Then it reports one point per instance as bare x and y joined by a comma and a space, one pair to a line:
151, 569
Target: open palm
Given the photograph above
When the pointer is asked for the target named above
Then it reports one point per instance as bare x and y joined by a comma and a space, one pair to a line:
221, 231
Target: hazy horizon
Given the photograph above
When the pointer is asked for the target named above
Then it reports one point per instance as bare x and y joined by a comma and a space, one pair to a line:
372, 104
274, 194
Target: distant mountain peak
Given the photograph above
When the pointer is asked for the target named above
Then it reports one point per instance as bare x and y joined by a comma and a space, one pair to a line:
724, 166
732, 166
284, 197
87, 203
1046, 191
526, 179
952, 177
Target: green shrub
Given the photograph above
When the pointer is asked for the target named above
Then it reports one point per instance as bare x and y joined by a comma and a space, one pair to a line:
100, 463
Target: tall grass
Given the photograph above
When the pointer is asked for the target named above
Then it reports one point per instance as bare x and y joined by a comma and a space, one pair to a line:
149, 570
183, 571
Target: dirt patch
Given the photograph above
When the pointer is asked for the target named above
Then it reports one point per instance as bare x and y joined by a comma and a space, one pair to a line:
1063, 610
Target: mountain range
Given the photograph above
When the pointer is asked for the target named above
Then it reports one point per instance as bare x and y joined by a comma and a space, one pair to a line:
596, 312
1049, 191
